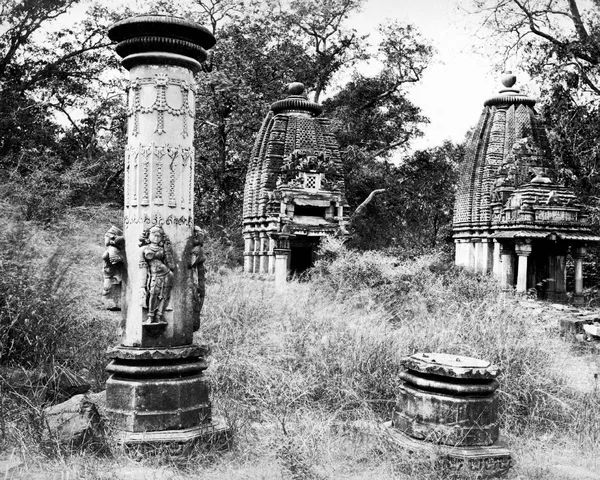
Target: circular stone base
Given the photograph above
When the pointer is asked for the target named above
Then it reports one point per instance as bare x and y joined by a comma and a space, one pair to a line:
474, 462
216, 435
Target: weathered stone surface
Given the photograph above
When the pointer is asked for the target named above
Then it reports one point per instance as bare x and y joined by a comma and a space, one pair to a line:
447, 365
77, 422
446, 419
460, 462
140, 405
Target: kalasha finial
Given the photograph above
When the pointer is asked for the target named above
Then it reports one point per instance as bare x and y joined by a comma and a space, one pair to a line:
296, 88
508, 79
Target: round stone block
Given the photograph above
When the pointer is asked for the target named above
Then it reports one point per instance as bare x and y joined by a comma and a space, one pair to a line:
447, 419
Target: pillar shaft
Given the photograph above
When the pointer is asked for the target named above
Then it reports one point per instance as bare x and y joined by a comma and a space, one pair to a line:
578, 254
496, 262
507, 267
264, 254
523, 252
248, 249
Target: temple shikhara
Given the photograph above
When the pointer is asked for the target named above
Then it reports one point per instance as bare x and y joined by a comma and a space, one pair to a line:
294, 193
511, 216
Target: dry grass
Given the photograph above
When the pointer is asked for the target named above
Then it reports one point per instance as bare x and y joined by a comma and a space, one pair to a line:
305, 376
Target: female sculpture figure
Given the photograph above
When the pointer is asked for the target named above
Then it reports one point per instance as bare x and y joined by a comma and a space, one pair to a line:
156, 263
198, 274
114, 262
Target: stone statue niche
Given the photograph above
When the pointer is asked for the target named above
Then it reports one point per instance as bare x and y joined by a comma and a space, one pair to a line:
114, 264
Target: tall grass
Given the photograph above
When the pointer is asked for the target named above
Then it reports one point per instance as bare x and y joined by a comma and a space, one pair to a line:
333, 345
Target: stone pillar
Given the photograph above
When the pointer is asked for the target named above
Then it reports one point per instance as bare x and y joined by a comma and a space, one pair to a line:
282, 255
256, 252
264, 254
477, 255
523, 251
508, 273
551, 280
578, 254
157, 390
560, 276
471, 254
248, 249
459, 246
271, 263
496, 262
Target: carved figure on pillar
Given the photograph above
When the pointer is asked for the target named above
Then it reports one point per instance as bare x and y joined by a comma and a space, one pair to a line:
156, 263
199, 274
114, 262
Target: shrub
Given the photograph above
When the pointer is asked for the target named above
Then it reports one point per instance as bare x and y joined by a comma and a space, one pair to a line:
36, 315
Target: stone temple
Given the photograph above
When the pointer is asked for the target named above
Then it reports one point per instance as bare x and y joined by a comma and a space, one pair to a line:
294, 193
511, 216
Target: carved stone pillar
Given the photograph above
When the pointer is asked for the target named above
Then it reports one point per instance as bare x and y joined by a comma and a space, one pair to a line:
497, 263
271, 263
256, 252
248, 249
264, 253
523, 251
560, 276
282, 254
508, 272
578, 254
551, 280
156, 390
478, 255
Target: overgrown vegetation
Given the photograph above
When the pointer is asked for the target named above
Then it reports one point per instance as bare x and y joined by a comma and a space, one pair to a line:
305, 376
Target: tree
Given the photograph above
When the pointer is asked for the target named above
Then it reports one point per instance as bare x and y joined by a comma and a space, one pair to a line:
415, 211
320, 26
557, 37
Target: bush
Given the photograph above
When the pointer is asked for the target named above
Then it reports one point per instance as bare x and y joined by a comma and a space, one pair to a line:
37, 316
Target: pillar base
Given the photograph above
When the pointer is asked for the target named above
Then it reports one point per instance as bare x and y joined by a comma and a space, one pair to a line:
158, 390
488, 461
216, 435
557, 297
578, 299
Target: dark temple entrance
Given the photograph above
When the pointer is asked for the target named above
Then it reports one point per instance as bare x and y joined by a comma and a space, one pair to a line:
303, 252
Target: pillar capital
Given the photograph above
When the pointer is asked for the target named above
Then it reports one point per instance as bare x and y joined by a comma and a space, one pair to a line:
578, 252
523, 249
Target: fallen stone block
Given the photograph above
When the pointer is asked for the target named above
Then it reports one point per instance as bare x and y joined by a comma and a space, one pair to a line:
76, 424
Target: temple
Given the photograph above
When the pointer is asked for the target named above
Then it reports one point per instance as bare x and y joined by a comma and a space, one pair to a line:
294, 193
511, 216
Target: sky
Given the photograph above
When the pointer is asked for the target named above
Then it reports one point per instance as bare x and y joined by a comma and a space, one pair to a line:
460, 78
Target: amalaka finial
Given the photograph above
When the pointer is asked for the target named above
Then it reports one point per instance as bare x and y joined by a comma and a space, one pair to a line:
508, 79
295, 88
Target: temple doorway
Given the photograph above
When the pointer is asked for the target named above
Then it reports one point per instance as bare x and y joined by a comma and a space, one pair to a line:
303, 251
